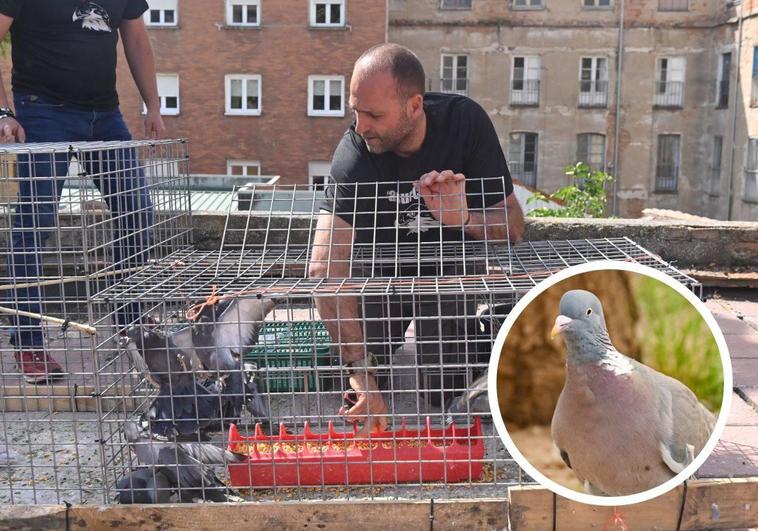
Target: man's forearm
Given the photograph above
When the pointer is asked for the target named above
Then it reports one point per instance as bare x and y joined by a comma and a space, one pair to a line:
490, 224
139, 55
340, 315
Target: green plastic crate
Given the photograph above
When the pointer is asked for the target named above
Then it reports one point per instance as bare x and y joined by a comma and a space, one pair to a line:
291, 345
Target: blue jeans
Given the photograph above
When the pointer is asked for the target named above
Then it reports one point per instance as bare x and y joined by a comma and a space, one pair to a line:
117, 174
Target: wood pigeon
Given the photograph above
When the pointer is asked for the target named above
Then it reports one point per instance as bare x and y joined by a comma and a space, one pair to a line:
621, 426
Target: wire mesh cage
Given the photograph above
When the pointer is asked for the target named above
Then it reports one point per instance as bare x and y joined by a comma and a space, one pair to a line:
241, 358
74, 219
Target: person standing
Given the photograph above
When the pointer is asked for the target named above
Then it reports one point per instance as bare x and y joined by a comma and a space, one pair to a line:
64, 90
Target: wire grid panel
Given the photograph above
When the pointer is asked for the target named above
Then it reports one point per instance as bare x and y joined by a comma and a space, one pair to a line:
75, 218
430, 334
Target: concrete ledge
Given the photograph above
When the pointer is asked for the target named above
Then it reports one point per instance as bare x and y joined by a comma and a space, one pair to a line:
691, 245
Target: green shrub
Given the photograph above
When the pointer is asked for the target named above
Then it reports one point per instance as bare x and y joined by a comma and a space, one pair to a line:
585, 198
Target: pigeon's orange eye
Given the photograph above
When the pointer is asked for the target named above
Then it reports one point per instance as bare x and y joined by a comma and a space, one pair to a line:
589, 311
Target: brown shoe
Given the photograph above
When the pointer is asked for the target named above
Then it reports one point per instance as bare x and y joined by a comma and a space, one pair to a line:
37, 366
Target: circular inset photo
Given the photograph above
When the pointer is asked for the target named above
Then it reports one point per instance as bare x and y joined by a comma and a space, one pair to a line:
610, 383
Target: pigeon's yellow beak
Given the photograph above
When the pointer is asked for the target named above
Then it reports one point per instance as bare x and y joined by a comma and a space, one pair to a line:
561, 322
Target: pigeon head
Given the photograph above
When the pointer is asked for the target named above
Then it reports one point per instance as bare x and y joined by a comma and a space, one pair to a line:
581, 323
146, 337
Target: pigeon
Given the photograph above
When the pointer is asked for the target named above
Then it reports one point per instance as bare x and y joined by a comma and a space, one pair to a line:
622, 426
217, 337
220, 334
474, 400
144, 485
186, 466
183, 406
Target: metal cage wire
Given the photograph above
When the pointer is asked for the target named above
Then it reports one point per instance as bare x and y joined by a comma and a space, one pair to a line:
433, 320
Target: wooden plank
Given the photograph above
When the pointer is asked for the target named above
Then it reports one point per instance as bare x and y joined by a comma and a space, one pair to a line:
16, 398
709, 504
721, 504
531, 507
661, 512
339, 516
491, 513
33, 517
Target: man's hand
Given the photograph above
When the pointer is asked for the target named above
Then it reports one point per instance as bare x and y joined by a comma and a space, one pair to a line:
444, 194
154, 127
369, 406
11, 131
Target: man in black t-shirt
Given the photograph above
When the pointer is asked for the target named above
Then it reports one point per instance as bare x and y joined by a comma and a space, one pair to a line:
413, 173
64, 90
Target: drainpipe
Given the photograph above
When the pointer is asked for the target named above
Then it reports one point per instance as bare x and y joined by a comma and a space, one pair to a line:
733, 152
617, 132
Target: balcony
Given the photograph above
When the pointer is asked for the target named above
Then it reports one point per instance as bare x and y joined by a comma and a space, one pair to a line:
666, 176
453, 85
593, 93
525, 92
673, 5
669, 93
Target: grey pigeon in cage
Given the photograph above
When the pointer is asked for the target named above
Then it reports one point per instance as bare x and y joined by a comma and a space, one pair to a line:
144, 485
474, 400
220, 335
622, 426
186, 465
183, 405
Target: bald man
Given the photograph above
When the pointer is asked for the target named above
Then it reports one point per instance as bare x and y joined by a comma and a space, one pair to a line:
414, 170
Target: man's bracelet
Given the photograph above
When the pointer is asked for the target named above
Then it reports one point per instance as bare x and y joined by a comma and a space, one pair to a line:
5, 112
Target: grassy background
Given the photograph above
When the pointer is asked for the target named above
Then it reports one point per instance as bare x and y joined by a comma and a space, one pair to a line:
676, 340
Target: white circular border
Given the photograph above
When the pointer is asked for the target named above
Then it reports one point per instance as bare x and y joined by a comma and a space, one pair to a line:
580, 496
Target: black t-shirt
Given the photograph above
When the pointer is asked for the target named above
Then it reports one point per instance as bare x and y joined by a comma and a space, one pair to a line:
66, 49
374, 193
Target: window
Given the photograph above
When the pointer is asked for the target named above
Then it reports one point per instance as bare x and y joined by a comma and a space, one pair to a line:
243, 167
243, 12
669, 81
326, 95
590, 149
243, 94
168, 92
455, 4
722, 85
528, 4
522, 157
161, 13
598, 4
715, 165
327, 13
454, 74
319, 174
667, 167
751, 170
754, 91
593, 82
673, 5
525, 80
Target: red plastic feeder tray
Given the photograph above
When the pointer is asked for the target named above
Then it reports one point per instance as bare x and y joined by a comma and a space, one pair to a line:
449, 454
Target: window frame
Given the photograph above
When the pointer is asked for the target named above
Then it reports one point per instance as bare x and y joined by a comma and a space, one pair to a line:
243, 164
229, 13
327, 94
313, 172
528, 6
751, 172
673, 8
592, 97
669, 98
228, 110
522, 156
658, 188
521, 97
590, 135
454, 68
162, 10
595, 5
165, 111
722, 96
452, 7
312, 10
714, 170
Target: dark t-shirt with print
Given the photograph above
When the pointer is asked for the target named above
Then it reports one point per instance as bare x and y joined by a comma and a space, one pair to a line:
66, 49
375, 193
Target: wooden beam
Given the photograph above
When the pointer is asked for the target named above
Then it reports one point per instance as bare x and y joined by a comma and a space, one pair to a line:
20, 397
709, 504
